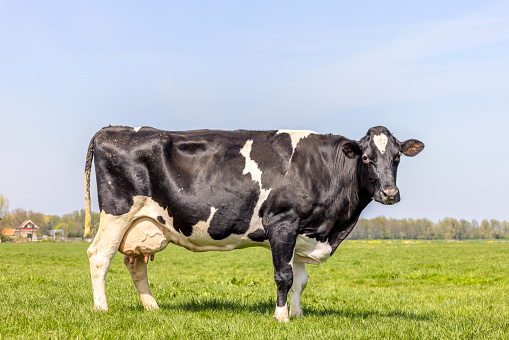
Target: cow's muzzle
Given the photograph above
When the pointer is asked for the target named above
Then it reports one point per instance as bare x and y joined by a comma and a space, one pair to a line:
389, 195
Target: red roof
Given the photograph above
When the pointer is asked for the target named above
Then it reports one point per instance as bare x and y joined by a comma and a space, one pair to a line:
8, 232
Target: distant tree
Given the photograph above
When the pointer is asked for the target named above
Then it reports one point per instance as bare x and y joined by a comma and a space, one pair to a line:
4, 210
486, 230
73, 224
505, 229
464, 229
17, 217
427, 229
450, 228
386, 234
69, 229
52, 221
497, 228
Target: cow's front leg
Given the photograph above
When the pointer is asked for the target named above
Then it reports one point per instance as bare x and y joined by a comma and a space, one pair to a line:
282, 240
138, 271
300, 280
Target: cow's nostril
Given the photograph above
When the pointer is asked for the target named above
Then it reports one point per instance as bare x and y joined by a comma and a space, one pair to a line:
390, 193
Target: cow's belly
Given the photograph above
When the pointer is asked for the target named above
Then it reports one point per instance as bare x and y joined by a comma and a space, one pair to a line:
152, 229
147, 236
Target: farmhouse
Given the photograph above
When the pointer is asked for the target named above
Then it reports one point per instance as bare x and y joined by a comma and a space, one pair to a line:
27, 229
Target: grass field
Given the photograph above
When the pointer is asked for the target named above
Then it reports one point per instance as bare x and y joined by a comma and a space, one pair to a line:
377, 289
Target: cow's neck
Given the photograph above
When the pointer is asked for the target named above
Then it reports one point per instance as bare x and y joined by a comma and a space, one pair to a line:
352, 197
337, 198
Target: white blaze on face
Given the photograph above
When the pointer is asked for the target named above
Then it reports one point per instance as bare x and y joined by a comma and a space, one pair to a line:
381, 142
136, 129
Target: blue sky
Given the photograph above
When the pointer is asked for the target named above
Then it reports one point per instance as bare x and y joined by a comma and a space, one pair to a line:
433, 70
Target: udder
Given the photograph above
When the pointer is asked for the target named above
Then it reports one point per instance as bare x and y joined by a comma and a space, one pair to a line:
143, 239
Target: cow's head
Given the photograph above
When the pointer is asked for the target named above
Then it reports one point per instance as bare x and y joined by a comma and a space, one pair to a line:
379, 153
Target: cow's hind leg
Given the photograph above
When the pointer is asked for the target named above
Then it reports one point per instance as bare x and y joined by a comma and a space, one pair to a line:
138, 271
100, 253
300, 280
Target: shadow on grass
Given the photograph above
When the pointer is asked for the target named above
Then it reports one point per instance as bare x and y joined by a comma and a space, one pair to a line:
267, 307
363, 313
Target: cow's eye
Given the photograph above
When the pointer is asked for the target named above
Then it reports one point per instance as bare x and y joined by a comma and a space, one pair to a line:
365, 159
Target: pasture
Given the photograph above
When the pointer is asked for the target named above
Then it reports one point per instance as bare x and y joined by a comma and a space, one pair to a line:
368, 289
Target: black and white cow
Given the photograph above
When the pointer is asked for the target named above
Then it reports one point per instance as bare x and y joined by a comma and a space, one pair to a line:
297, 193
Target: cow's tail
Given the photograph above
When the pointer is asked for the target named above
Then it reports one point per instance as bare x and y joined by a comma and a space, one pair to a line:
88, 169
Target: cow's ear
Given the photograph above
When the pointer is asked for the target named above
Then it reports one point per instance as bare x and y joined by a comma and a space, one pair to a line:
351, 149
411, 147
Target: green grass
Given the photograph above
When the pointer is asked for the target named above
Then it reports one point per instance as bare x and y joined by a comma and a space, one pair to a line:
425, 290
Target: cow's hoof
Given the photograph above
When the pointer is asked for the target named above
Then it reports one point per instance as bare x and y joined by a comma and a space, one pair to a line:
151, 307
281, 314
296, 314
100, 308
281, 318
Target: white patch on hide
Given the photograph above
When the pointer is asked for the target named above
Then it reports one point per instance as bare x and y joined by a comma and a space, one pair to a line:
256, 175
296, 136
200, 229
136, 129
256, 220
251, 166
309, 250
381, 142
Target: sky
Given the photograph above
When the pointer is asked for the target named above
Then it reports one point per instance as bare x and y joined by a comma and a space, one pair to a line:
436, 71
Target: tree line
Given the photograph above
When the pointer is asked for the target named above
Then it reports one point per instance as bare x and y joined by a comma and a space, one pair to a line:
73, 225
424, 229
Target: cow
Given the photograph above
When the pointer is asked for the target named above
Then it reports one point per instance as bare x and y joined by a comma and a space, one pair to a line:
297, 193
